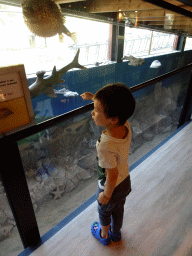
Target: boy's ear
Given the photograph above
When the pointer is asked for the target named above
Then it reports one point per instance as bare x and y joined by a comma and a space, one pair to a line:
114, 120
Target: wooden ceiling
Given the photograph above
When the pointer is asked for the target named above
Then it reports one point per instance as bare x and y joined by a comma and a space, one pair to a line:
170, 16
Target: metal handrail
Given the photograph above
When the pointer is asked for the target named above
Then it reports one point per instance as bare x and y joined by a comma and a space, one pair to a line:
22, 134
131, 48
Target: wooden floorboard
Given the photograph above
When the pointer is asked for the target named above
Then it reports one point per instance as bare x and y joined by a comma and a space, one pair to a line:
158, 212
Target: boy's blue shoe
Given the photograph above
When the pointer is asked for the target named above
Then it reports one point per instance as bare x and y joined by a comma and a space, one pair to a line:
96, 232
115, 236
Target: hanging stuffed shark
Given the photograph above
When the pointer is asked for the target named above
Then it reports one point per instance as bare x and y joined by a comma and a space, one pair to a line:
134, 61
46, 85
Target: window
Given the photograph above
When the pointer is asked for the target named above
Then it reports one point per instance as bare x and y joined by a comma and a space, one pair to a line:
137, 41
19, 45
143, 42
188, 44
162, 43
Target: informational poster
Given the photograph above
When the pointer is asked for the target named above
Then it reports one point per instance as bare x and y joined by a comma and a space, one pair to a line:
16, 109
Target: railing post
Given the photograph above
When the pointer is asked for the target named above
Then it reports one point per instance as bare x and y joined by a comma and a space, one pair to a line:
15, 185
150, 44
187, 106
98, 51
87, 53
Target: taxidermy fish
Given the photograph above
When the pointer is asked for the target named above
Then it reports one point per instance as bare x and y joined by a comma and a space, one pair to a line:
65, 92
134, 61
45, 19
46, 85
5, 112
155, 64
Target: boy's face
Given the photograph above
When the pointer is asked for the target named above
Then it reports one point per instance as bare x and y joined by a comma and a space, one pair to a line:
99, 116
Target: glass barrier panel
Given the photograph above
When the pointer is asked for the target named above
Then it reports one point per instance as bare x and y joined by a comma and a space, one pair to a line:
10, 241
62, 98
67, 96
60, 167
157, 114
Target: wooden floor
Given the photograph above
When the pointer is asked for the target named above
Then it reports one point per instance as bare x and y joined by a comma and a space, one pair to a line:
158, 212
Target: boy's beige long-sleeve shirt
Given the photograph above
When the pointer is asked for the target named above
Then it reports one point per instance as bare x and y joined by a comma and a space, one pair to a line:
113, 153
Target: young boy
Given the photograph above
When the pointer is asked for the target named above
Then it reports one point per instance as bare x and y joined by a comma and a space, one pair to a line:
113, 105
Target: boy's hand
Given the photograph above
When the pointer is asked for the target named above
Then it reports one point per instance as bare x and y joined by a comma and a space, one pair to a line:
102, 199
87, 96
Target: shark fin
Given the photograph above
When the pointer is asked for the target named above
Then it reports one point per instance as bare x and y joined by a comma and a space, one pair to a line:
54, 70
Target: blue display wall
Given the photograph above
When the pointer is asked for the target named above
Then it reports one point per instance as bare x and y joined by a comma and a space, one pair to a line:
94, 78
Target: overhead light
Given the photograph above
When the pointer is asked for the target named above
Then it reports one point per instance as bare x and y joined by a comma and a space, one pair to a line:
136, 21
120, 15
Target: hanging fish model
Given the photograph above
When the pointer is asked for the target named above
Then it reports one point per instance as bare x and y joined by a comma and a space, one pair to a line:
5, 112
134, 61
46, 85
155, 64
45, 19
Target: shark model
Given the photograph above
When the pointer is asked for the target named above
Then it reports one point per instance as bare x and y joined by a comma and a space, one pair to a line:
46, 85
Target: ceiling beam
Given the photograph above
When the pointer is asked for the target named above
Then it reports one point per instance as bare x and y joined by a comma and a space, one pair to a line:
176, 18
176, 23
168, 6
162, 21
179, 4
68, 1
175, 2
155, 16
168, 31
186, 2
100, 6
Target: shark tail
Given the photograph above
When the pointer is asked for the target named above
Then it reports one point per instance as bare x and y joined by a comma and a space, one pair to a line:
75, 62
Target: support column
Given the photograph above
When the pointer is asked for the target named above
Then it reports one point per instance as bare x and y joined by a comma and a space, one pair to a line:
121, 36
181, 43
113, 42
15, 185
116, 43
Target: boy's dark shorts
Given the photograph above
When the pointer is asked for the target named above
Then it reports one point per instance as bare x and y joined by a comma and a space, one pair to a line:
119, 194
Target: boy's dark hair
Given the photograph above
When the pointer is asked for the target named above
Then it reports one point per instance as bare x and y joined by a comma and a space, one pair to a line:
117, 101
